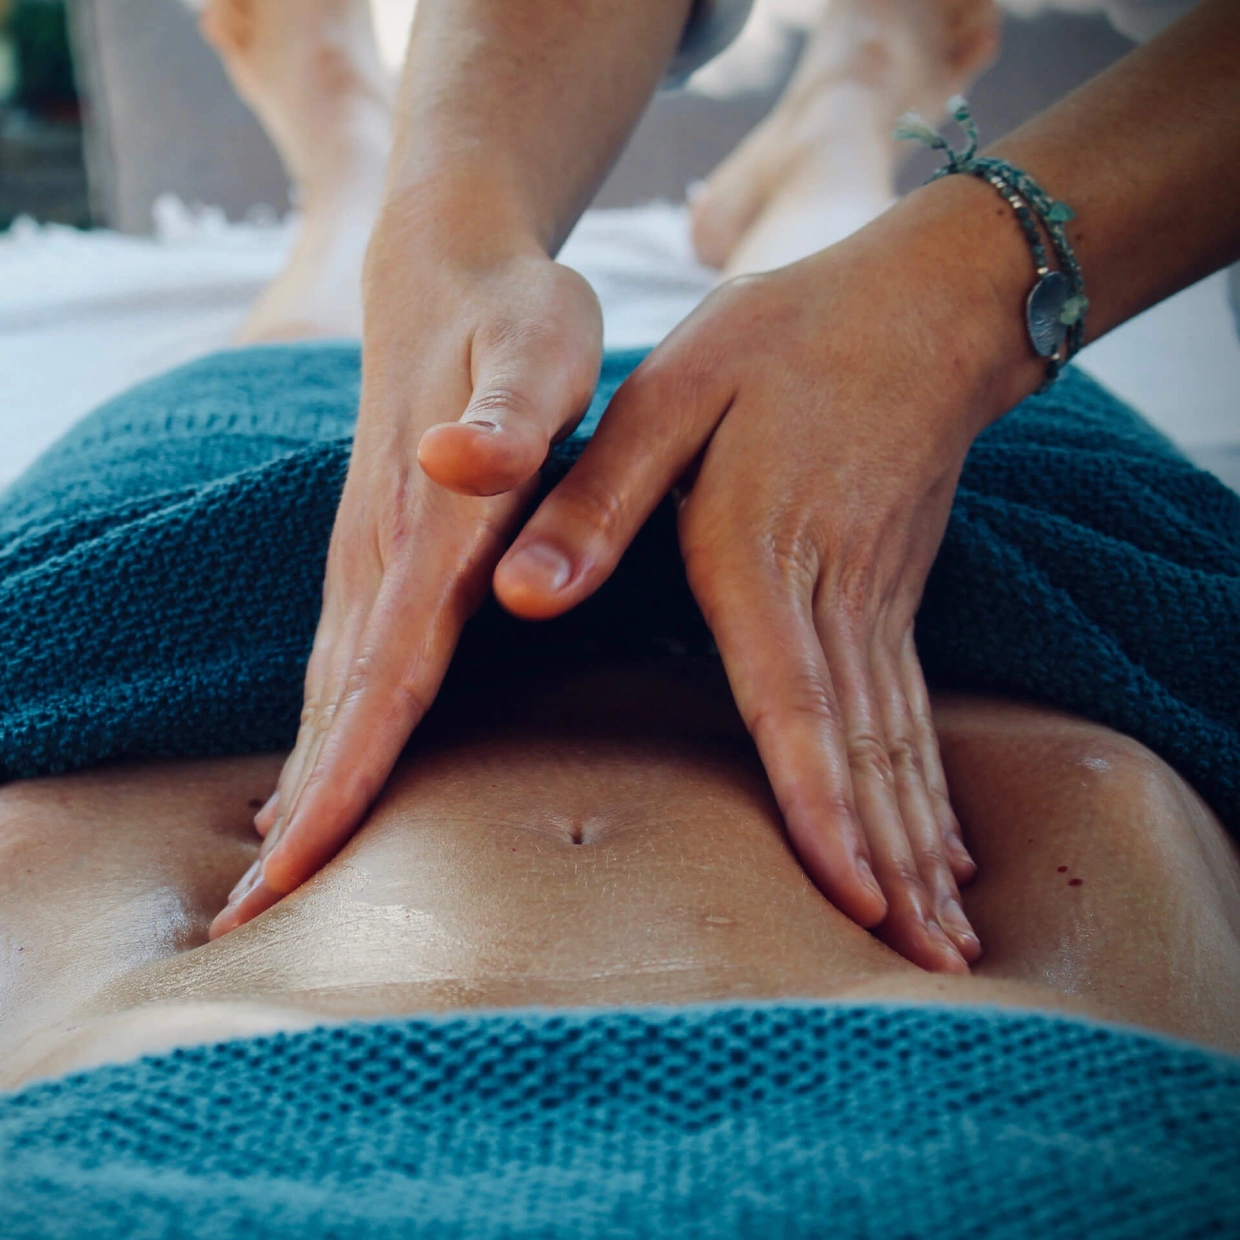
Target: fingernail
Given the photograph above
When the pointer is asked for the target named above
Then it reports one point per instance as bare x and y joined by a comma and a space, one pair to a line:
950, 910
268, 806
249, 880
951, 913
956, 844
541, 566
867, 877
272, 838
939, 935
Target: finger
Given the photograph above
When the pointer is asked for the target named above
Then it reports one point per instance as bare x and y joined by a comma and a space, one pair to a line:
784, 693
917, 696
265, 819
401, 658
250, 897
916, 807
332, 652
381, 703
528, 390
369, 680
912, 925
652, 431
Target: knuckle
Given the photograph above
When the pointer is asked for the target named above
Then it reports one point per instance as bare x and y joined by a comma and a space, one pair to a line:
850, 558
592, 505
785, 566
413, 697
406, 693
836, 808
746, 301
849, 594
903, 875
823, 809
514, 333
869, 758
360, 676
317, 715
932, 861
792, 555
905, 758
501, 399
807, 698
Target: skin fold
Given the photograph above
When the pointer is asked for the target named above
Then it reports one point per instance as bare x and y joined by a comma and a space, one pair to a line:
580, 836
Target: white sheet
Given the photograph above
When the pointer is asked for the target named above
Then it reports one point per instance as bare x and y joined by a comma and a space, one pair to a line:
85, 315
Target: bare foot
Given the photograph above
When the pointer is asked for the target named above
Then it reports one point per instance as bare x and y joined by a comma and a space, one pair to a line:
310, 70
822, 163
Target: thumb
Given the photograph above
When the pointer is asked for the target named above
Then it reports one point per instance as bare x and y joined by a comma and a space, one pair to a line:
532, 384
656, 425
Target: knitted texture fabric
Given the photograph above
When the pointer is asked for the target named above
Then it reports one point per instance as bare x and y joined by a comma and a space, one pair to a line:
161, 571
803, 1120
160, 576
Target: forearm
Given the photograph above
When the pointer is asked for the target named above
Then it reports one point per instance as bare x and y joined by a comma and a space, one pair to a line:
511, 111
1148, 157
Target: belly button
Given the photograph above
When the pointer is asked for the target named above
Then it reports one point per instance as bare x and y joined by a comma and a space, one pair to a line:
717, 919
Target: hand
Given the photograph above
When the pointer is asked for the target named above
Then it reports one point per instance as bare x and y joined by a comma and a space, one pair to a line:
474, 364
827, 420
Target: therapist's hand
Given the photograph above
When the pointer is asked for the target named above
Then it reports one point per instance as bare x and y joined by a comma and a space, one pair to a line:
816, 420
499, 352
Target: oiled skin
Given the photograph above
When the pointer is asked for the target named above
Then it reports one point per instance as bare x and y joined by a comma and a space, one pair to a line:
582, 837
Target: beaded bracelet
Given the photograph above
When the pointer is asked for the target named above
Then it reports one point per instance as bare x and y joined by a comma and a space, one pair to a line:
1056, 305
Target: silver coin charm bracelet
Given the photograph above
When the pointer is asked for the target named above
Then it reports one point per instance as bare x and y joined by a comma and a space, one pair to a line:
1056, 305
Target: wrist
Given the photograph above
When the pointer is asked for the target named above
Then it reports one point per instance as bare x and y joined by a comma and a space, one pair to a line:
966, 239
469, 220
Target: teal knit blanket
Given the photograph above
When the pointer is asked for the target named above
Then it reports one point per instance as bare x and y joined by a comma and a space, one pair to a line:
753, 1122
161, 570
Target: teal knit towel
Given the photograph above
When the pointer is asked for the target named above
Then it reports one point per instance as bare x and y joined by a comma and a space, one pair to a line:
752, 1122
161, 570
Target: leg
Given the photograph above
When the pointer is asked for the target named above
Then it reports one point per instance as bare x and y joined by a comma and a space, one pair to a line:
1102, 875
823, 163
310, 69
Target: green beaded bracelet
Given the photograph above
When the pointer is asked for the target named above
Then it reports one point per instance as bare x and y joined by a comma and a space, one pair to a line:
1056, 305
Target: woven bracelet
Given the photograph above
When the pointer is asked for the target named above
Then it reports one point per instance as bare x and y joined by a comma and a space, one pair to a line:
1056, 305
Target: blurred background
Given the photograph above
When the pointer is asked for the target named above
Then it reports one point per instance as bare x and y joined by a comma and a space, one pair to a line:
42, 163
142, 208
107, 104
